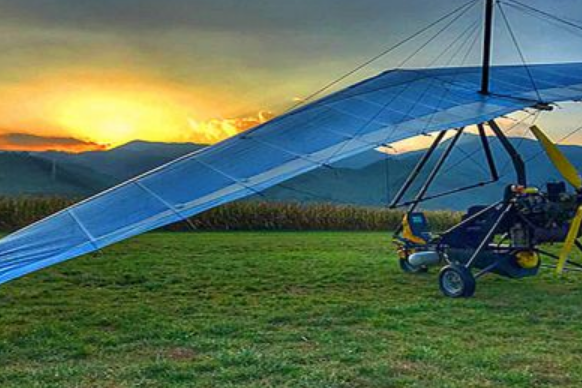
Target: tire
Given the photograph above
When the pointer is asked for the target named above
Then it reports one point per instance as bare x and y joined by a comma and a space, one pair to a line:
457, 281
409, 268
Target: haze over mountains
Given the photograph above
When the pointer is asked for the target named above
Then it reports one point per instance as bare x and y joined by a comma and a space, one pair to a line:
369, 179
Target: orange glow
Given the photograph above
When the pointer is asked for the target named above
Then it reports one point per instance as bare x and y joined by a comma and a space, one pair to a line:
511, 127
72, 149
118, 119
215, 130
112, 110
105, 110
413, 144
24, 142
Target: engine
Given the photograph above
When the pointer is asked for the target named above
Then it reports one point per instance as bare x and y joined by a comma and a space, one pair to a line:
541, 217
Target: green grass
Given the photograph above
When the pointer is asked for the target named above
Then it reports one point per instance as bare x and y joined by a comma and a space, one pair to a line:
280, 310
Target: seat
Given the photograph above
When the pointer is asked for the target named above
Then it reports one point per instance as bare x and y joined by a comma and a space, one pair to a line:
415, 228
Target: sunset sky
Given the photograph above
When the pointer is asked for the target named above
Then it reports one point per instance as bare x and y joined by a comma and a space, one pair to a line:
82, 74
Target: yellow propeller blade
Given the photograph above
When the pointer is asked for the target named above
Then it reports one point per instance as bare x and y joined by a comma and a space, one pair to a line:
570, 239
558, 159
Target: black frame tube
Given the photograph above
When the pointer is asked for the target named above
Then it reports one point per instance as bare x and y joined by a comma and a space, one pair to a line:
565, 269
489, 235
486, 270
471, 218
488, 154
433, 174
516, 159
555, 257
489, 7
492, 170
453, 191
417, 169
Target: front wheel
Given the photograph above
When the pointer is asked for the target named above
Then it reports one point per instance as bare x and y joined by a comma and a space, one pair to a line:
457, 281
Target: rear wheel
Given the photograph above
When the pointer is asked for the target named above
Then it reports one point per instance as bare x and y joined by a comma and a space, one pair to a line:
457, 281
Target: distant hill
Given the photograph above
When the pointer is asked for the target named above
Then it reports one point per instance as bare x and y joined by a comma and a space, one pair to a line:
367, 179
126, 161
377, 177
84, 174
27, 174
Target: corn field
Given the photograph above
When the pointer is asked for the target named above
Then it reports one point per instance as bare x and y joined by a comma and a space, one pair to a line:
16, 213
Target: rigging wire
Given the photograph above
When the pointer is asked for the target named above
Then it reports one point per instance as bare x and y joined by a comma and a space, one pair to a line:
519, 50
448, 87
373, 59
387, 173
566, 137
471, 29
464, 60
472, 45
541, 17
541, 152
515, 125
544, 13
408, 85
467, 38
308, 193
525, 11
423, 94
467, 34
461, 10
435, 36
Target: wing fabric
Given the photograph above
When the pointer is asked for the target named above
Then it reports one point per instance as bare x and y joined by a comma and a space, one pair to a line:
392, 106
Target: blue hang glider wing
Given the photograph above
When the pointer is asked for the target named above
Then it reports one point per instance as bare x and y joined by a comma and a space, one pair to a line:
392, 106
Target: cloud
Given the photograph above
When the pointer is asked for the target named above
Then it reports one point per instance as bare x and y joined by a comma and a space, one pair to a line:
215, 130
27, 142
250, 15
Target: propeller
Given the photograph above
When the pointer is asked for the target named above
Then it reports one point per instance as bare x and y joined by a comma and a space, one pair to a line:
571, 175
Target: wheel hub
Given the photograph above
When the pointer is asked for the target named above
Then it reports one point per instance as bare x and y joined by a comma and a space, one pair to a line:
452, 282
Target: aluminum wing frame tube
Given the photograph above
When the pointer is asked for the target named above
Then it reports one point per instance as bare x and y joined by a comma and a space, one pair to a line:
435, 170
516, 159
417, 170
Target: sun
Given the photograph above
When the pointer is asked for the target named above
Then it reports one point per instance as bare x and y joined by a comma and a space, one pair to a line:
117, 118
113, 109
105, 108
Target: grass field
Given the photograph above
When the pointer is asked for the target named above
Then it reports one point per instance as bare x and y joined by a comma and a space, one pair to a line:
280, 310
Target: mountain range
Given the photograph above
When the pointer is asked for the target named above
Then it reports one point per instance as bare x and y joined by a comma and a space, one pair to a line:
369, 179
